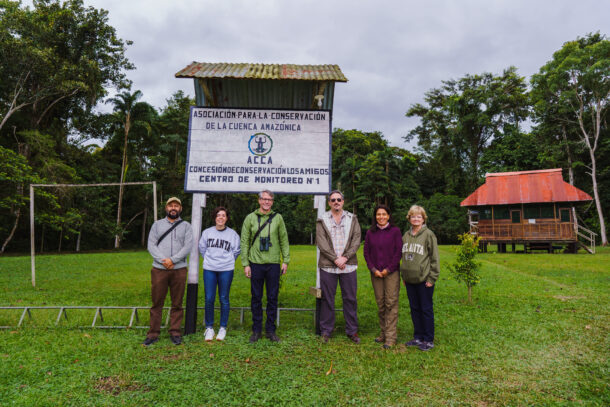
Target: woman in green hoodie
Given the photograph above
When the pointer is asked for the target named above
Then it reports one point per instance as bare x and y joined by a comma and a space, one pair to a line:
420, 269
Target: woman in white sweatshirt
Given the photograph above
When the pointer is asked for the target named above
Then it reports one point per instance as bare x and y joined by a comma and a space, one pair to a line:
219, 246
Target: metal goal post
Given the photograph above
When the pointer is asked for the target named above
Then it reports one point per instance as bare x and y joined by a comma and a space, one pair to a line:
108, 184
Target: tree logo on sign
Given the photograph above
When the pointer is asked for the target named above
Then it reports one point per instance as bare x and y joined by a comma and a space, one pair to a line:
260, 144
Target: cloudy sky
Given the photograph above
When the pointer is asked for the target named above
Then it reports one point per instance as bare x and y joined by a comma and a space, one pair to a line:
391, 51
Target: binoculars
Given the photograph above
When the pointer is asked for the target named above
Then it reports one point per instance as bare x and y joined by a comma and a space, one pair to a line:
265, 244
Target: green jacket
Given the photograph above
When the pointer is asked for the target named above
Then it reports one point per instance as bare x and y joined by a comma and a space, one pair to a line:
420, 260
279, 252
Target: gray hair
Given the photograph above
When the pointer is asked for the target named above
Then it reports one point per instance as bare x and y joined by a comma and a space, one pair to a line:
417, 210
336, 191
265, 191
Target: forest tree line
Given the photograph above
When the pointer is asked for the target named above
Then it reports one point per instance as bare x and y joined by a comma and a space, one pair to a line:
61, 60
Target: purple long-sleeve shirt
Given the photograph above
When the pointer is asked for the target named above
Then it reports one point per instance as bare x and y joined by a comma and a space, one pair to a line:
383, 249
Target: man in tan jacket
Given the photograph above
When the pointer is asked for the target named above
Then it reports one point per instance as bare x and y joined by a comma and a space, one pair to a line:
338, 238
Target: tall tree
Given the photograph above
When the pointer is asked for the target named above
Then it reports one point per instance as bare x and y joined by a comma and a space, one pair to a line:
15, 175
349, 150
56, 53
460, 119
169, 158
515, 151
130, 114
573, 89
369, 171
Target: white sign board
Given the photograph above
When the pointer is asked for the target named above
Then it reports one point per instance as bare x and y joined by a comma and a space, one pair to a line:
248, 150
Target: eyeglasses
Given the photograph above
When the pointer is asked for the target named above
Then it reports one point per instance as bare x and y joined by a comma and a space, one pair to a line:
336, 199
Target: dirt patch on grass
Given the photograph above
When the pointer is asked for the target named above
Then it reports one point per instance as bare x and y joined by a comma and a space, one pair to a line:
172, 358
515, 270
567, 297
399, 348
115, 385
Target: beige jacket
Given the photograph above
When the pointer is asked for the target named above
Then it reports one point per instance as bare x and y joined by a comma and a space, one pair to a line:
325, 244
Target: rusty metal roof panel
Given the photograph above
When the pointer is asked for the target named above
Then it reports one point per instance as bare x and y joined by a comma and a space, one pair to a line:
521, 187
206, 70
232, 92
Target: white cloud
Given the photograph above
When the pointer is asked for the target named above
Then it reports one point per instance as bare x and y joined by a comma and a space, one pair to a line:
392, 51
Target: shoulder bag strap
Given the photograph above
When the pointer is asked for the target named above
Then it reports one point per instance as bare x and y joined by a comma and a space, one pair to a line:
168, 231
261, 227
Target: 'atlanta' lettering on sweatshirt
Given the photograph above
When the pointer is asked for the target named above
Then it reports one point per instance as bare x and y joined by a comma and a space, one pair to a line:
219, 249
420, 260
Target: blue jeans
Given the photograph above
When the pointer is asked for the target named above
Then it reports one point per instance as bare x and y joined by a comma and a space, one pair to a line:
223, 280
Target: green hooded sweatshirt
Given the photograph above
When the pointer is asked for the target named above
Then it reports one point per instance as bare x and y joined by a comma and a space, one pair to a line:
420, 257
279, 252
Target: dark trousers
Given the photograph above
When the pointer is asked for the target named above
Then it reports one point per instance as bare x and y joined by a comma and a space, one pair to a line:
269, 275
422, 311
349, 286
160, 281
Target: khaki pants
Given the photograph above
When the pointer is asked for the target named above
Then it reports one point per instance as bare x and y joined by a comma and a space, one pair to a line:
160, 281
387, 291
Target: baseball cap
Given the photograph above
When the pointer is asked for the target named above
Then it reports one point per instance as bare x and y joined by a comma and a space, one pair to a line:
173, 199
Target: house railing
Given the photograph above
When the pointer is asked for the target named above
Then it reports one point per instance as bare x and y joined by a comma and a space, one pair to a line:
524, 231
588, 236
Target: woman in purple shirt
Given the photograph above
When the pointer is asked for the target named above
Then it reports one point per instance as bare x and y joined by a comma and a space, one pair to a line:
382, 252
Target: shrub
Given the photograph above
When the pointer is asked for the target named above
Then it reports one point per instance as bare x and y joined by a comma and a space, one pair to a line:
465, 268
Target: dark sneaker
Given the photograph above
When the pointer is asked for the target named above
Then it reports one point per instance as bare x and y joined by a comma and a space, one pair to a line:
272, 337
325, 338
255, 337
426, 346
176, 340
386, 346
380, 339
149, 341
413, 342
354, 338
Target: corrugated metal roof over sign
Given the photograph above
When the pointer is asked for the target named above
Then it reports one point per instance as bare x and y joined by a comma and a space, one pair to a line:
263, 71
259, 94
505, 188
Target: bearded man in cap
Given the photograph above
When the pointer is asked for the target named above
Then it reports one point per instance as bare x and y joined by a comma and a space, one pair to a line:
169, 242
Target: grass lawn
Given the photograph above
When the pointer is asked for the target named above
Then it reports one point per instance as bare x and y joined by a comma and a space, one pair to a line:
537, 333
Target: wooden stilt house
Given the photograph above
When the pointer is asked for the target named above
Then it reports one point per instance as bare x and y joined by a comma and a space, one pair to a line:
531, 208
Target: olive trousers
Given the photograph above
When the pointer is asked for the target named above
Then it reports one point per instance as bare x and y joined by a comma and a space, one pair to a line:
387, 291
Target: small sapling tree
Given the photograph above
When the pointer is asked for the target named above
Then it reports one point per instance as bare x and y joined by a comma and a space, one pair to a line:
465, 268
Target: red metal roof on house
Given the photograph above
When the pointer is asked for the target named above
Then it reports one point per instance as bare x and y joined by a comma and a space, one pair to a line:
505, 188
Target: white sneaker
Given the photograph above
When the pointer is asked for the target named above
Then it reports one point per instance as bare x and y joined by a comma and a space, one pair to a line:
222, 332
209, 334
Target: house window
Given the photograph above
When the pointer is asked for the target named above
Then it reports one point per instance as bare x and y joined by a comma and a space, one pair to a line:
539, 212
501, 212
531, 212
485, 213
547, 212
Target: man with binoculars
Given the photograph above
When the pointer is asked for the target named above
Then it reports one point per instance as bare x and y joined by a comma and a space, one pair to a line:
264, 245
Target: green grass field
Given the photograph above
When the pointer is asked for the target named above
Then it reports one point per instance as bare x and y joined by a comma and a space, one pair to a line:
537, 333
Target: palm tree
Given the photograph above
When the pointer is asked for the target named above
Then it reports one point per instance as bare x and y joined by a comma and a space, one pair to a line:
129, 113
